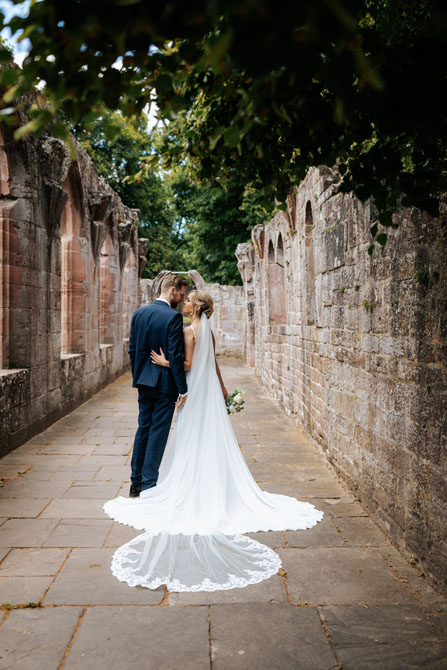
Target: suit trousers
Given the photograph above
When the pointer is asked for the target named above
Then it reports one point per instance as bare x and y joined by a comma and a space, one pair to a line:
154, 421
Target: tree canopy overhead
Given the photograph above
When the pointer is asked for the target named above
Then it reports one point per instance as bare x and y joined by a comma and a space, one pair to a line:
256, 90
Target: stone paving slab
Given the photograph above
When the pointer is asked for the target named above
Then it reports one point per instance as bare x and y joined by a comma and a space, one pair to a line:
23, 590
86, 579
33, 489
269, 637
120, 534
341, 575
324, 534
74, 508
79, 533
96, 490
353, 625
390, 657
17, 508
31, 639
32, 562
56, 544
25, 532
141, 637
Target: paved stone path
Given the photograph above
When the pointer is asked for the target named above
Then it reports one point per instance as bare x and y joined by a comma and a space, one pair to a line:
345, 598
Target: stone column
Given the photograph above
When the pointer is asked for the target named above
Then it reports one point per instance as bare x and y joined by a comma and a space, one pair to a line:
245, 254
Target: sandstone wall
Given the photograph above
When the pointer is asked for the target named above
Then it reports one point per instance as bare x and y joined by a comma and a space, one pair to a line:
355, 347
228, 320
70, 262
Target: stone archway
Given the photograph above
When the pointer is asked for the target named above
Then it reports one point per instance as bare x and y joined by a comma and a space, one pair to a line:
74, 270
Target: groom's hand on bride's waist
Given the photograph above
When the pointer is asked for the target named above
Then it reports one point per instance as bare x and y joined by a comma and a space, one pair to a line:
181, 399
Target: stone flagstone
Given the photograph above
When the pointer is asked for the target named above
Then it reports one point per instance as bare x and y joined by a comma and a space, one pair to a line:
345, 595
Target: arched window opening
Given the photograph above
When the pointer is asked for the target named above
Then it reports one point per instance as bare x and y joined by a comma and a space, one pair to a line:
108, 290
74, 284
276, 283
130, 290
310, 265
5, 265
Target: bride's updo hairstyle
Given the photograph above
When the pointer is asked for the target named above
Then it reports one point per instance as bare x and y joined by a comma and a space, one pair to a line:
202, 300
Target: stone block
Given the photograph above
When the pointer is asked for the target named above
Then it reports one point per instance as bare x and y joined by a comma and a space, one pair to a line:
86, 579
341, 575
268, 637
26, 532
113, 638
32, 562
74, 509
79, 533
352, 626
37, 638
23, 590
391, 657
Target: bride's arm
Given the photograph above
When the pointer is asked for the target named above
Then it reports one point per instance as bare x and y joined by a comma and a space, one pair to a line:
222, 385
160, 359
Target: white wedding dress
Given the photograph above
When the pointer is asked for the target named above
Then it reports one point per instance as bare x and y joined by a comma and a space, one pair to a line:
204, 500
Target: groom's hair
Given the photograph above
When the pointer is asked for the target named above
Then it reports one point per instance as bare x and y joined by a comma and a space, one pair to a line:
173, 280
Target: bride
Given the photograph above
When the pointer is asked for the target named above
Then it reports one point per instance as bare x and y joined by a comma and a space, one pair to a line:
205, 497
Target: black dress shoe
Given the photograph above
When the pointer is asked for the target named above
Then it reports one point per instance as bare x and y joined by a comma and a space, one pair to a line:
134, 491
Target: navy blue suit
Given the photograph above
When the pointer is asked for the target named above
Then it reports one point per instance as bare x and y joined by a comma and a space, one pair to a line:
152, 327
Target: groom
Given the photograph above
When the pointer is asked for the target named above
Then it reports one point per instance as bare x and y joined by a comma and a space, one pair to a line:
160, 389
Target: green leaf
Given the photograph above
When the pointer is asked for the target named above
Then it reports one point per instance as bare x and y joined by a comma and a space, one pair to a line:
111, 131
382, 239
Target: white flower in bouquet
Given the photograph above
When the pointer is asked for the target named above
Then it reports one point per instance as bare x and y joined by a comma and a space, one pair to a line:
235, 401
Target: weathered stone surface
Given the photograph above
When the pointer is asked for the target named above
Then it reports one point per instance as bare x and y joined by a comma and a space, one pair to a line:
352, 626
37, 638
269, 591
67, 298
145, 637
324, 534
269, 637
391, 657
79, 533
16, 508
23, 590
86, 579
25, 532
361, 531
353, 347
32, 562
97, 490
341, 576
74, 509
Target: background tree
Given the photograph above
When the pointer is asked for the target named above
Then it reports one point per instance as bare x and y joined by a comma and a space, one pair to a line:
262, 89
213, 222
119, 158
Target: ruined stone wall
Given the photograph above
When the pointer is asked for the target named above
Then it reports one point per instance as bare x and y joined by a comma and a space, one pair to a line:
70, 262
355, 348
228, 319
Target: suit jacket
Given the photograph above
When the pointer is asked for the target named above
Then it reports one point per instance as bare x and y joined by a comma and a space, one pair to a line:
154, 326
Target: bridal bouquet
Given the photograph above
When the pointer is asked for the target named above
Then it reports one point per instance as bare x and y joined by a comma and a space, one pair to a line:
235, 401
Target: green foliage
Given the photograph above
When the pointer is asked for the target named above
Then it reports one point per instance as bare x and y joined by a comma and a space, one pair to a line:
427, 278
256, 91
213, 222
118, 159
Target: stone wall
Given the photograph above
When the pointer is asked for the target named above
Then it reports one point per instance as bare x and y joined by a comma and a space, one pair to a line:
70, 262
355, 348
228, 320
